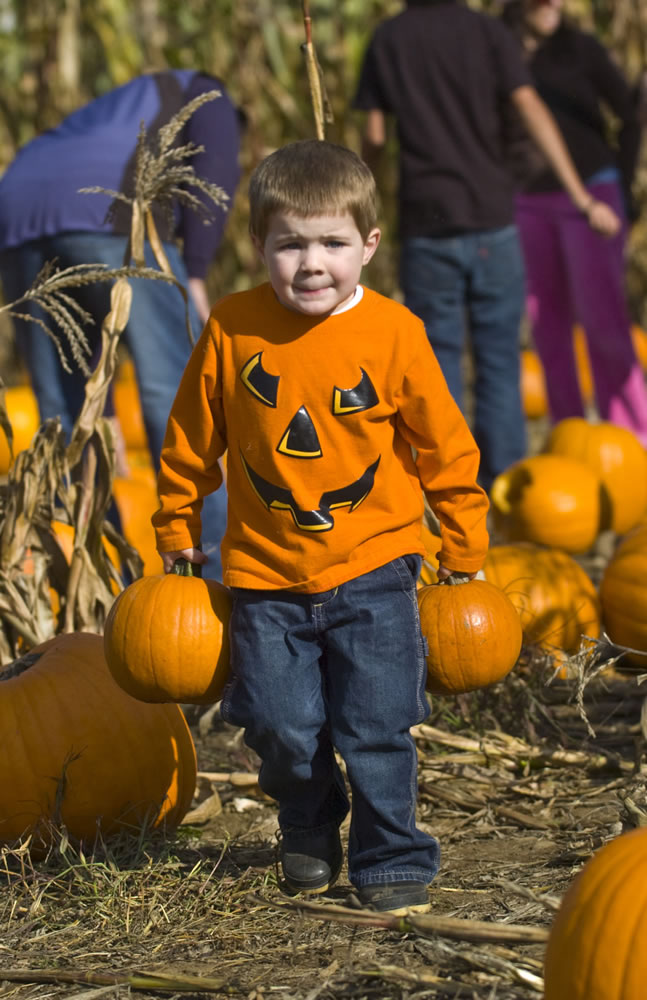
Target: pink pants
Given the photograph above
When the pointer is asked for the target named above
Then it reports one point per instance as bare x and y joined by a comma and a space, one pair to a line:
575, 275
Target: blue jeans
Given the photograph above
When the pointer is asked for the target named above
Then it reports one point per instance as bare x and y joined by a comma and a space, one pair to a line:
343, 669
475, 281
156, 337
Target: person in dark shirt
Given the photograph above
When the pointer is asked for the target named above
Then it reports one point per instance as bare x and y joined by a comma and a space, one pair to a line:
447, 74
44, 217
573, 275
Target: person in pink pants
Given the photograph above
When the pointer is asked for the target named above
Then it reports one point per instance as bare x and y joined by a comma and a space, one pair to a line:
573, 274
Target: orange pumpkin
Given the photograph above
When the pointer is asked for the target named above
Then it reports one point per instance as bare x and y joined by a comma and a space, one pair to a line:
128, 407
639, 338
166, 639
616, 455
555, 599
594, 949
623, 596
533, 386
137, 501
77, 750
22, 410
583, 364
473, 635
549, 499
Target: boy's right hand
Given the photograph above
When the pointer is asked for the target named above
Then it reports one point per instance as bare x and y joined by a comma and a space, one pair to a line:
191, 555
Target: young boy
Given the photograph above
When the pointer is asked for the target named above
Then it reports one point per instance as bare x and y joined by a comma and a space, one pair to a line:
320, 390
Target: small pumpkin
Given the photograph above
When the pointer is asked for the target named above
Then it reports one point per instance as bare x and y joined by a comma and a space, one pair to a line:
552, 500
556, 600
594, 949
583, 364
77, 750
22, 411
533, 385
623, 596
616, 455
473, 635
167, 638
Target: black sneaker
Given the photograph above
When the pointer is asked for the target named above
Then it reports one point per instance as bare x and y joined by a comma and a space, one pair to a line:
398, 898
311, 863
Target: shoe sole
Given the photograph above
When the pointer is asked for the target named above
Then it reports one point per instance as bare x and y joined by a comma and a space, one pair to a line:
403, 911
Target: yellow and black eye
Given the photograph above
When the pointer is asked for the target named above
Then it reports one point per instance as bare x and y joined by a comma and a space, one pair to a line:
361, 397
260, 383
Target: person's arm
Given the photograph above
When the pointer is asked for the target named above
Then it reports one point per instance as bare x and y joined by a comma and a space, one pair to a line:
198, 291
194, 441
373, 138
544, 131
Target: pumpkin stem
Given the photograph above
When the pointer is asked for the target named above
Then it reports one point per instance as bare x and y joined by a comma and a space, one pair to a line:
19, 666
182, 567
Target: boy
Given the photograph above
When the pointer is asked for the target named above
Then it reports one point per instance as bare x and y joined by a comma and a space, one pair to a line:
320, 390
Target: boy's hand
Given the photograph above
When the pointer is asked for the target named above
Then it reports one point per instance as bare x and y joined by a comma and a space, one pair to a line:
191, 555
453, 576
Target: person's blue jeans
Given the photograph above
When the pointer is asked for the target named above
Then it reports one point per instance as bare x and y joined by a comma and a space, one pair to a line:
475, 282
343, 669
156, 337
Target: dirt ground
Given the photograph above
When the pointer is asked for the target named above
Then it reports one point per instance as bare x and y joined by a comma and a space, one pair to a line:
519, 783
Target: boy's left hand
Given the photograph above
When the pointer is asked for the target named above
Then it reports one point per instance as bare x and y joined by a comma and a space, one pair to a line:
453, 576
191, 555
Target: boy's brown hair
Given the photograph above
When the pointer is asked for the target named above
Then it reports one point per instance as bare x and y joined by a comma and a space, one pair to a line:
312, 177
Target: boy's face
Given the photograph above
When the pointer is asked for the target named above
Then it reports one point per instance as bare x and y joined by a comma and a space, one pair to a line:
314, 264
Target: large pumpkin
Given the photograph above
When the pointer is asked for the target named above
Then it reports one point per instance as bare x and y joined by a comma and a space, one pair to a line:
595, 947
22, 410
77, 750
616, 455
555, 599
623, 596
166, 639
549, 499
473, 635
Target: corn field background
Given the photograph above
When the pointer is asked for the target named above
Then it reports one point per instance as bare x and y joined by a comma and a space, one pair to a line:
57, 54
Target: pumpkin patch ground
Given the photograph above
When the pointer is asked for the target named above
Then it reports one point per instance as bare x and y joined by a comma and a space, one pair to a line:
516, 789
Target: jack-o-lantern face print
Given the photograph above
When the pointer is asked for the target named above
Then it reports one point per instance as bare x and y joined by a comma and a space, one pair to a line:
302, 440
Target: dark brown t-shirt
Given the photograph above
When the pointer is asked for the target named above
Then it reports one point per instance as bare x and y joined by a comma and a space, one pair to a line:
446, 73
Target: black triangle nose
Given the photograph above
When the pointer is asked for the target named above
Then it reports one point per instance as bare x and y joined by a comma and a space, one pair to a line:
300, 439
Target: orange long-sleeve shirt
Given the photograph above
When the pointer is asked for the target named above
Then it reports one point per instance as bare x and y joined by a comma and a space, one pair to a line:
321, 420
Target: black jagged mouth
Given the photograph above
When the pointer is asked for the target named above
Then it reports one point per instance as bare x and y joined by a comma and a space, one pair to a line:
275, 497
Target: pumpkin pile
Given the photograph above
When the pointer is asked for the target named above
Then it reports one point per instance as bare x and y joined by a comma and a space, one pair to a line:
549, 509
80, 752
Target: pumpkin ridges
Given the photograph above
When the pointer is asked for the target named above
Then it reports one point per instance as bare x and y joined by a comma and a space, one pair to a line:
473, 635
589, 956
87, 712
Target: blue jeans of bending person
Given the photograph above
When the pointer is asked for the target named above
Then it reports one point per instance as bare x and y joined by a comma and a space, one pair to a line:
155, 335
475, 282
345, 670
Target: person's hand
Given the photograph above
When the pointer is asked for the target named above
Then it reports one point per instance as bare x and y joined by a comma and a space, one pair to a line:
191, 555
453, 576
602, 218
